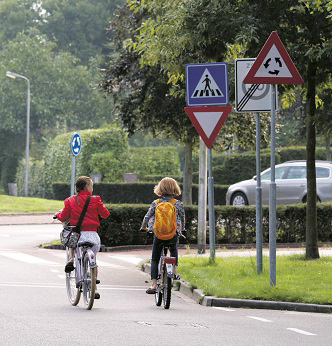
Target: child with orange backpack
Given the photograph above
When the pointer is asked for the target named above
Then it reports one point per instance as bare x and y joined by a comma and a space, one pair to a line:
166, 219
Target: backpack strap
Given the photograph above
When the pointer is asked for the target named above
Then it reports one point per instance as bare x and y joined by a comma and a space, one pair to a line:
85, 208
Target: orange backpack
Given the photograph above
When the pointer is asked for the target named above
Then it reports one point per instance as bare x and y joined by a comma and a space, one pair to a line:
165, 219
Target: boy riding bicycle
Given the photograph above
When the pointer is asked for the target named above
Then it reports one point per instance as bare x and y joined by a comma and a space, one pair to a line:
167, 211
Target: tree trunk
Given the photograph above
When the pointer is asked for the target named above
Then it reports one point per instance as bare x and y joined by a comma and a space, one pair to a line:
187, 174
327, 146
311, 222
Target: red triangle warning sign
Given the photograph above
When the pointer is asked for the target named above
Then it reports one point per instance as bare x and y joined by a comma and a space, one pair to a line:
273, 65
208, 121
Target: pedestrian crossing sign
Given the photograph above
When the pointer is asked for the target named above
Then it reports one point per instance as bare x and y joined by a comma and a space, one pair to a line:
207, 84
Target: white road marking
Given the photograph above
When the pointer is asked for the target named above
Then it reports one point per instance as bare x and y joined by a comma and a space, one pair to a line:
5, 235
127, 258
220, 308
19, 256
62, 286
99, 262
106, 264
300, 331
54, 270
61, 276
259, 319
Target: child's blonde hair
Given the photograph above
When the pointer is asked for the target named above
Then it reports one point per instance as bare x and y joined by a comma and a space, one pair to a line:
167, 187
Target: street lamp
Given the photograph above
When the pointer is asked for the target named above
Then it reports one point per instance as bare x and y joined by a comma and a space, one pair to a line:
14, 76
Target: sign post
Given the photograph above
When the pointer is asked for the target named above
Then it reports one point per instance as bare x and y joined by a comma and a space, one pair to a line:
253, 98
273, 66
75, 148
208, 122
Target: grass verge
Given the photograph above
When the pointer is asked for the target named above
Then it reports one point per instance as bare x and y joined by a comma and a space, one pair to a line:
16, 205
298, 280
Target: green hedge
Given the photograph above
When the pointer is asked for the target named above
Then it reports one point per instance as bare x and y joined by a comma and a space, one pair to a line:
157, 177
233, 225
230, 169
133, 193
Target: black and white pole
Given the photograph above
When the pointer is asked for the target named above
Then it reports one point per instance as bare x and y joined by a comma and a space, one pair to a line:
259, 232
212, 237
273, 202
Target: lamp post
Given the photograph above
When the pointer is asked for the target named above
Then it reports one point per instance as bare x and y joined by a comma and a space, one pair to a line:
14, 76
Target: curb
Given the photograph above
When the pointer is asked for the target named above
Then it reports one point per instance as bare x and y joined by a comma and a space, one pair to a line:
198, 296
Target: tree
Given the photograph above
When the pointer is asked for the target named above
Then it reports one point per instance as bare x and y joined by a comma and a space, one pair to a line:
79, 26
305, 29
62, 96
159, 41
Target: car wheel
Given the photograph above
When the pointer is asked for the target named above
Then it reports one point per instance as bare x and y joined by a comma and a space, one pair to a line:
239, 199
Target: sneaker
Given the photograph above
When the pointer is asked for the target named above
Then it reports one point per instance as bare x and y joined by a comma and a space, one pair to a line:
177, 277
97, 281
151, 290
97, 295
69, 267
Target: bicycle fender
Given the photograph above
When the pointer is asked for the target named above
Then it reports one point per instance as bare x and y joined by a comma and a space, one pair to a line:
169, 269
92, 258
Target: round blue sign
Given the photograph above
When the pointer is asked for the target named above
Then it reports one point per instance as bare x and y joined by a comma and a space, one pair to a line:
75, 144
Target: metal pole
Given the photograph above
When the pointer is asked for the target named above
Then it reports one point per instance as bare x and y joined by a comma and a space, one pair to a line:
202, 189
259, 233
273, 202
212, 236
72, 174
26, 187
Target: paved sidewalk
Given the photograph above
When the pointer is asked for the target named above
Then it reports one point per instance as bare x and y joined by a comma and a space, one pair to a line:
26, 219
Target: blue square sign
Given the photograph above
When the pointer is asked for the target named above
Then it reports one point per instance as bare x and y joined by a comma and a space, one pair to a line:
207, 84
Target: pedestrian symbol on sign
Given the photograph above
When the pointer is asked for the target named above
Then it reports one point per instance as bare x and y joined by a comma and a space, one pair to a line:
207, 87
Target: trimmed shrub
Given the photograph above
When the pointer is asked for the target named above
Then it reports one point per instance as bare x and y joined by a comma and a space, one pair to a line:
242, 167
57, 160
133, 193
157, 178
234, 225
161, 161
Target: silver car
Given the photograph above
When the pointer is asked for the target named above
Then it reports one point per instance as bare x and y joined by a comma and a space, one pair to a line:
291, 184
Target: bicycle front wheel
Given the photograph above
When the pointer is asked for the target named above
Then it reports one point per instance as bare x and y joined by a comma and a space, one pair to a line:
89, 283
73, 293
167, 290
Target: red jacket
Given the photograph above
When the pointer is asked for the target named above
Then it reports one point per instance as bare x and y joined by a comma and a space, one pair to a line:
73, 210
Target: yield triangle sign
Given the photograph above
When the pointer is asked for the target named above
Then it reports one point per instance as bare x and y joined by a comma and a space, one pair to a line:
273, 65
208, 121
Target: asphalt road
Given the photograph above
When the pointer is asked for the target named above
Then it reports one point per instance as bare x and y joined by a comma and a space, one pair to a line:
35, 310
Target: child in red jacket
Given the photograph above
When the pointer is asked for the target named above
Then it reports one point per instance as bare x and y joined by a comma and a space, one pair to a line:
72, 211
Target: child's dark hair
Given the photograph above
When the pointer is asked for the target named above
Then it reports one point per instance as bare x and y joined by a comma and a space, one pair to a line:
82, 183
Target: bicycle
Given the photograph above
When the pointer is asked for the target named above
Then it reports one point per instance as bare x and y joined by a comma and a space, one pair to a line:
166, 269
166, 276
83, 278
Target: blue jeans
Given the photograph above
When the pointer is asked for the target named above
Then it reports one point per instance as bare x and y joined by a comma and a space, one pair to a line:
156, 252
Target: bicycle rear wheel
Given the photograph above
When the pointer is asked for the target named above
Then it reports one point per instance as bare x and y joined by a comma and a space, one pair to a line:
158, 296
167, 289
89, 283
73, 293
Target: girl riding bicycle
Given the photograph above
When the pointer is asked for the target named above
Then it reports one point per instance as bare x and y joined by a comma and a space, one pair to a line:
72, 211
167, 189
